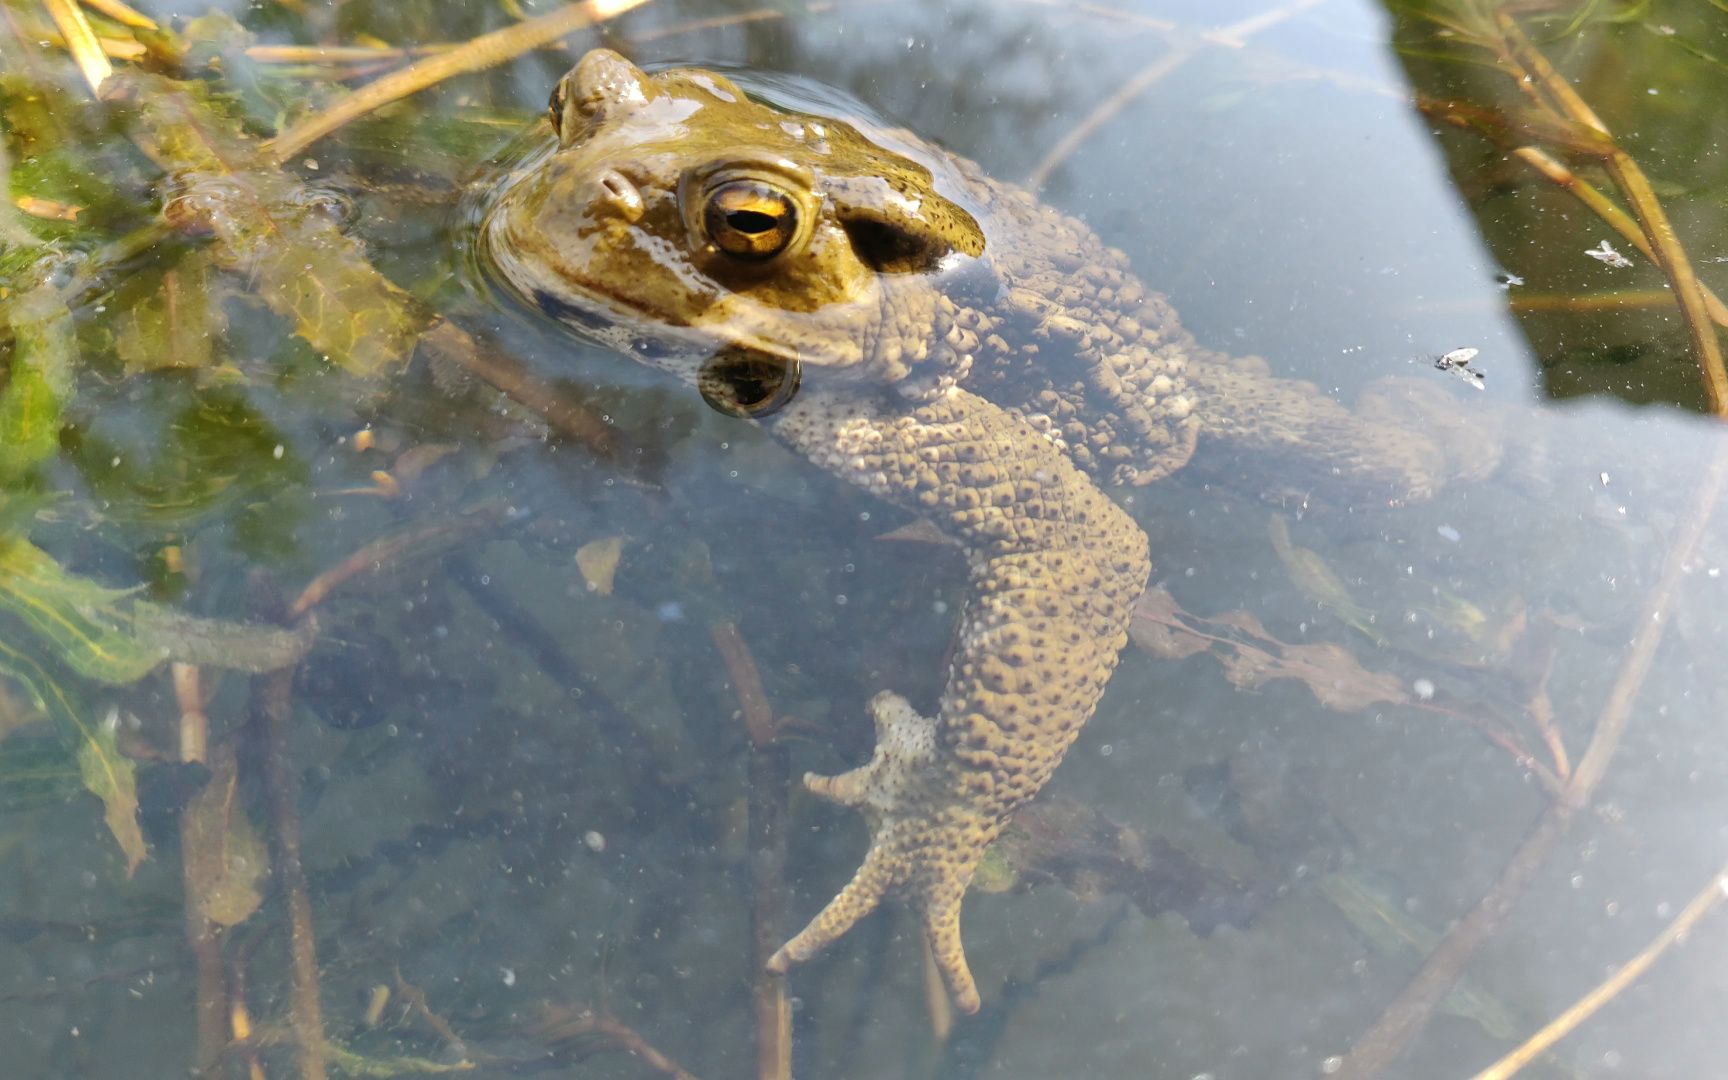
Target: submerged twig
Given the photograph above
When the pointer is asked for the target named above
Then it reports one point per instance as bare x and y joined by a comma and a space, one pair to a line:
416, 999
483, 52
274, 707
565, 1025
446, 344
381, 553
240, 1022
1586, 1006
1503, 739
770, 779
746, 684
203, 936
1541, 710
1408, 1013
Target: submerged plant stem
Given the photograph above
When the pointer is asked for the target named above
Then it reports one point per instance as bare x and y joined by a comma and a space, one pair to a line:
1408, 1013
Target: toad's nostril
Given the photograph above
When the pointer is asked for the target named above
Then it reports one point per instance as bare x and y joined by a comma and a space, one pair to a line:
619, 194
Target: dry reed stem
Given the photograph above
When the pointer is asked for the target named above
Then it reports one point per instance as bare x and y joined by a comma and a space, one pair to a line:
769, 783
1609, 988
373, 55
121, 13
1409, 1011
81, 42
340, 54
122, 49
482, 52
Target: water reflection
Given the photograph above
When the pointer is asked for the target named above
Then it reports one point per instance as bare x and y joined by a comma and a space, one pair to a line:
1597, 321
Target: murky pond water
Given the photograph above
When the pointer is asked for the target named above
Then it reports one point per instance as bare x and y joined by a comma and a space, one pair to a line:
513, 798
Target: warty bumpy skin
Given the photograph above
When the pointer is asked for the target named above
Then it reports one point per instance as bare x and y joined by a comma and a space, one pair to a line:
967, 353
1055, 570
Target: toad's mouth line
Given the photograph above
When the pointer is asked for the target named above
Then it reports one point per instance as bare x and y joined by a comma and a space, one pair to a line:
597, 311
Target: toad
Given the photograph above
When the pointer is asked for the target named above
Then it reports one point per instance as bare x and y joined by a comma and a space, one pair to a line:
952, 346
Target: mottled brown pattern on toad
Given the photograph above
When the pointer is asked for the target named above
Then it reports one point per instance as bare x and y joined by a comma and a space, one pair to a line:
964, 352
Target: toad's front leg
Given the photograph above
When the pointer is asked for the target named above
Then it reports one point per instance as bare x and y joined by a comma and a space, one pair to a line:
1056, 569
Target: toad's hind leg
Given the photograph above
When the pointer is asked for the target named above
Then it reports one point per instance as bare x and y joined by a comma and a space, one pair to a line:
1405, 442
922, 845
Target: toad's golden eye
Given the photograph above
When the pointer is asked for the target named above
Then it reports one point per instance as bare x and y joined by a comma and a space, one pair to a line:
749, 219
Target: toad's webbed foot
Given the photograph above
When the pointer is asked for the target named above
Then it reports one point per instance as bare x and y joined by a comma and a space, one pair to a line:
922, 844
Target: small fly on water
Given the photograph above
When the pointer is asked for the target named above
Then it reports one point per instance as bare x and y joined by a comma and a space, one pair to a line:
1458, 363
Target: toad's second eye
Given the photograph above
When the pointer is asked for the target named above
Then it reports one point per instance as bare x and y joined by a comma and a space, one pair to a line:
555, 108
749, 219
